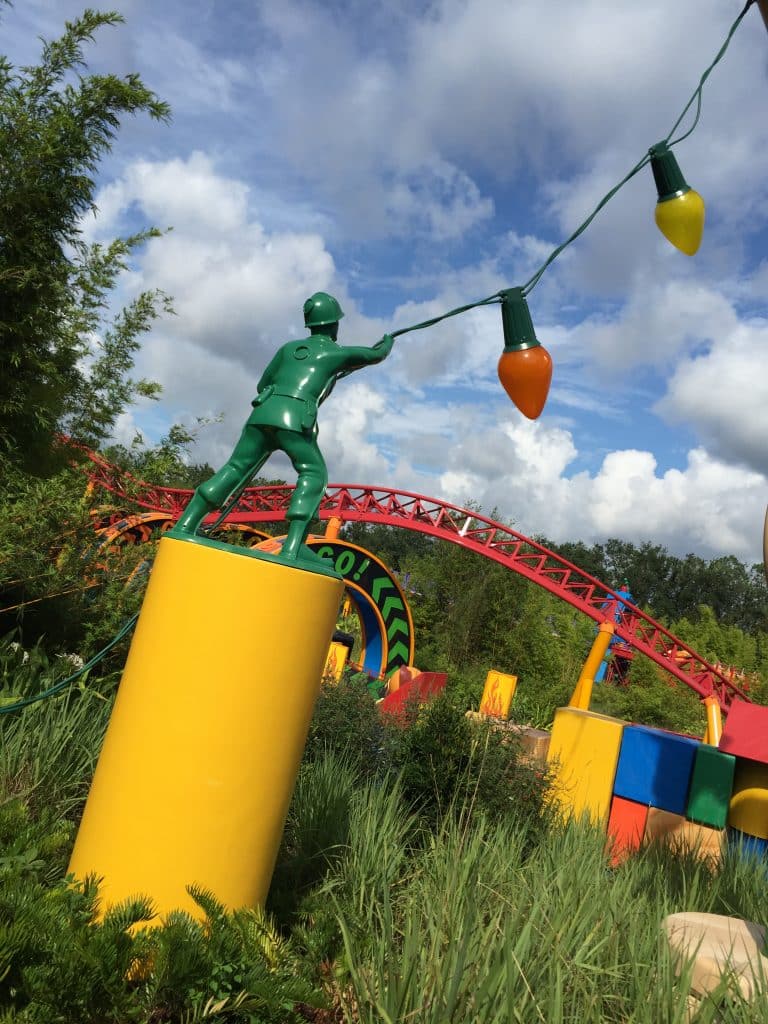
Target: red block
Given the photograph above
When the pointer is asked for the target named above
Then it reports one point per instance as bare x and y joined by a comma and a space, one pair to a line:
626, 827
746, 731
421, 689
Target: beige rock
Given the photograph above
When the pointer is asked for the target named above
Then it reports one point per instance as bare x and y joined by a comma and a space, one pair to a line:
719, 946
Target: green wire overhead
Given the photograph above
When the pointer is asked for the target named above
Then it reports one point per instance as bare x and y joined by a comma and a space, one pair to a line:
531, 283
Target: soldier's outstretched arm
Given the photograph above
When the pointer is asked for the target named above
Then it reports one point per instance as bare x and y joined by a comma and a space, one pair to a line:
353, 357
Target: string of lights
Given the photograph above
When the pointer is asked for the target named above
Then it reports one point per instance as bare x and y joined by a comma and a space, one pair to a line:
525, 367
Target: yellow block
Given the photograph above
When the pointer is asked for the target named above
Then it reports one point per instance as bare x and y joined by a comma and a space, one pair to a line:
748, 811
337, 659
583, 752
497, 694
208, 729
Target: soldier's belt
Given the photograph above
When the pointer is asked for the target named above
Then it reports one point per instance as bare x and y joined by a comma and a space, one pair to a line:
309, 415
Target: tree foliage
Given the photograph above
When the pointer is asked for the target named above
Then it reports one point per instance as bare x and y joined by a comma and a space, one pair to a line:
671, 587
65, 357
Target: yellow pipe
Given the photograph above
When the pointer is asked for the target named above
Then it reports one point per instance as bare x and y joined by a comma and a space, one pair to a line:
714, 721
332, 527
201, 754
582, 693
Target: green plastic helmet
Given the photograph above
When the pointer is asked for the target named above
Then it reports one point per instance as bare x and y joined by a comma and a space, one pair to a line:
321, 308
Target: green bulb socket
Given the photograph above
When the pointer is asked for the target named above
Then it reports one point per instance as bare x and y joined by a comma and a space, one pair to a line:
516, 319
669, 179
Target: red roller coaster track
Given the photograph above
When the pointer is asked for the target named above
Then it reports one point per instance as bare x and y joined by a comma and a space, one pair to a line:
355, 503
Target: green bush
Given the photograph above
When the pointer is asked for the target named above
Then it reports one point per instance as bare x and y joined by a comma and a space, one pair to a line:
654, 699
446, 761
346, 721
59, 965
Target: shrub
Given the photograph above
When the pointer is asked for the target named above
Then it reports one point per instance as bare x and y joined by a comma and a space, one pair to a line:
346, 721
447, 761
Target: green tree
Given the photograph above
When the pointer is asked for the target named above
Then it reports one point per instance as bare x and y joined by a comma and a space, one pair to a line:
65, 358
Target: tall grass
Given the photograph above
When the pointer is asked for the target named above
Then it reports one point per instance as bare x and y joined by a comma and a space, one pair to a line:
471, 923
48, 751
470, 915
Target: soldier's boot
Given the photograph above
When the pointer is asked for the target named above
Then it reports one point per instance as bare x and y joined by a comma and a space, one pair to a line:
189, 520
209, 496
295, 550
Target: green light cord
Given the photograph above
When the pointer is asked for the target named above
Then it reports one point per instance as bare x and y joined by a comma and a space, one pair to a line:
697, 94
63, 683
444, 316
531, 283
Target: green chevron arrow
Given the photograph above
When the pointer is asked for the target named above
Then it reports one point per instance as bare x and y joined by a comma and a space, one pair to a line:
398, 652
397, 626
379, 584
392, 603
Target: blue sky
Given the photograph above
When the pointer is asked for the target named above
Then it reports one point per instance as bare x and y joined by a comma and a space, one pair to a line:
413, 156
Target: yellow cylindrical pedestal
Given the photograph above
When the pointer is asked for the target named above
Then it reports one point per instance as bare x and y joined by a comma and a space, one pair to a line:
208, 729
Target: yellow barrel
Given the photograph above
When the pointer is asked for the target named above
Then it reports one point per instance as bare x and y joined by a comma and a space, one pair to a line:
201, 754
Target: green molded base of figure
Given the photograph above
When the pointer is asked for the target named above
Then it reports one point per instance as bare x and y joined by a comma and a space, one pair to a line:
300, 376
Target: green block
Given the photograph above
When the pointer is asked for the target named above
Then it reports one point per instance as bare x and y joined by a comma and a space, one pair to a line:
711, 786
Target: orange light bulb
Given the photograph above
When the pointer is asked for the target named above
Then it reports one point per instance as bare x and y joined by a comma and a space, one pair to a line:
525, 375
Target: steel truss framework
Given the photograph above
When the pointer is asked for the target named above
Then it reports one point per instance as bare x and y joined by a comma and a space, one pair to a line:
468, 529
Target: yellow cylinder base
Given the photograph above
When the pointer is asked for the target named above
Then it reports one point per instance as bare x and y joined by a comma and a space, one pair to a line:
201, 754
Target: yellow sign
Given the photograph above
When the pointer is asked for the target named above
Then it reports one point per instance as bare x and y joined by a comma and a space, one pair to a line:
497, 695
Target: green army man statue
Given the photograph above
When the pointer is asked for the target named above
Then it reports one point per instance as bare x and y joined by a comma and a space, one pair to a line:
300, 376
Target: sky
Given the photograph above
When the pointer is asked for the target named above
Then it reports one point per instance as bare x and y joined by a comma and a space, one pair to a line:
410, 156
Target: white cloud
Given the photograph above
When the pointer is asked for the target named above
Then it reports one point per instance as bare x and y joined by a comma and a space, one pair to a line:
656, 323
709, 506
723, 393
234, 285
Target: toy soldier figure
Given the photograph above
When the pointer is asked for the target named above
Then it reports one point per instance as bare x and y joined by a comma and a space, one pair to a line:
299, 378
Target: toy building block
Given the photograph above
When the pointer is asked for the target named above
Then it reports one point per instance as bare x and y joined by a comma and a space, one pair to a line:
497, 694
711, 787
535, 743
420, 690
683, 836
583, 752
746, 731
719, 947
402, 675
626, 828
746, 845
655, 768
336, 661
748, 810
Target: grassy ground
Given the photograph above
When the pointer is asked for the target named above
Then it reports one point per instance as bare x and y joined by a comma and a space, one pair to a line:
417, 882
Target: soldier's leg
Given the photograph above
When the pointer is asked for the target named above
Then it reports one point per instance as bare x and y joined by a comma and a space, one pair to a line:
249, 455
312, 480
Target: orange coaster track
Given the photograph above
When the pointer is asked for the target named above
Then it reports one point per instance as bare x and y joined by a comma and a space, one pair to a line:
468, 529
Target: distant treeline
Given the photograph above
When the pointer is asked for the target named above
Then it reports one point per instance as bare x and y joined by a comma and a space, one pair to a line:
673, 588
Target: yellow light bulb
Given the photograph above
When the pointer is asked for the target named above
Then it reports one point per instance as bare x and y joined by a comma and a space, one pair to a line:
681, 220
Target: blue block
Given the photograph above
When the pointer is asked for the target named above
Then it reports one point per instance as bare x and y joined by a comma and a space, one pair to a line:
747, 846
655, 768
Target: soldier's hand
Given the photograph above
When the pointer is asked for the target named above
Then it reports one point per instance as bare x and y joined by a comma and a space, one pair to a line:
386, 342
